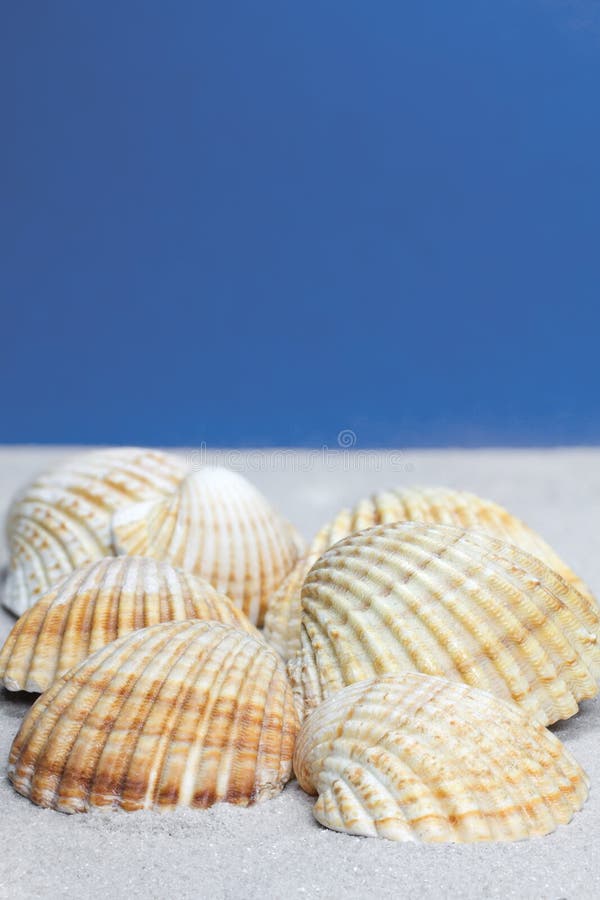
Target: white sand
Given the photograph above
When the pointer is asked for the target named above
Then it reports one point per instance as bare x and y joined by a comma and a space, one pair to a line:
276, 849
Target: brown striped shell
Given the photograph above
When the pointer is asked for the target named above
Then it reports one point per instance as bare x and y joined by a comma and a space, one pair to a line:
98, 603
436, 505
447, 602
183, 714
61, 520
415, 758
220, 527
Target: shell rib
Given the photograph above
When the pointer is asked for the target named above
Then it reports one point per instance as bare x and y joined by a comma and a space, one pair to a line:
416, 758
179, 714
435, 505
443, 601
62, 519
219, 526
97, 604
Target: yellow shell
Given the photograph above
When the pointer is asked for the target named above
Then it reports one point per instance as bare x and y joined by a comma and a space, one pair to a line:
415, 758
219, 526
439, 600
441, 506
95, 605
179, 714
61, 520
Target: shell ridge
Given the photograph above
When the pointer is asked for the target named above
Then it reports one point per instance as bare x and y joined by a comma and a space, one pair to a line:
253, 663
130, 525
22, 550
480, 742
282, 620
347, 783
94, 613
541, 599
497, 775
71, 520
385, 609
161, 525
418, 749
230, 572
261, 753
170, 727
498, 617
63, 687
220, 680
180, 651
319, 627
98, 603
279, 768
486, 622
31, 615
99, 746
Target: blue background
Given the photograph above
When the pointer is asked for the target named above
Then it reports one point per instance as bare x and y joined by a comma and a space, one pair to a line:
257, 223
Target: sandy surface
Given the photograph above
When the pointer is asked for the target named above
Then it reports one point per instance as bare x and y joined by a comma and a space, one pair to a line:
276, 850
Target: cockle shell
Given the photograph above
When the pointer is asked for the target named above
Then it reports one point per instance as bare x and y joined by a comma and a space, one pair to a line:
437, 505
443, 601
98, 603
416, 758
219, 526
61, 520
179, 714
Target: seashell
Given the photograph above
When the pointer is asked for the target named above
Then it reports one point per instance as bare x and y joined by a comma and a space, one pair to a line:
61, 520
283, 616
98, 603
220, 527
416, 758
442, 506
176, 715
447, 602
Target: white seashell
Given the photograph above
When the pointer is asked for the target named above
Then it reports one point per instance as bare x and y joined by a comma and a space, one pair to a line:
98, 603
439, 600
175, 715
416, 758
442, 506
62, 519
220, 527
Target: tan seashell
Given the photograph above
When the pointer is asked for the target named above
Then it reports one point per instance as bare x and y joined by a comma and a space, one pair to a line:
61, 520
219, 526
441, 506
98, 603
443, 601
179, 714
415, 758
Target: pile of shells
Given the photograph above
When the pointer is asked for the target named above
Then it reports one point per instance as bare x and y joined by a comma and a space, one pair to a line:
409, 661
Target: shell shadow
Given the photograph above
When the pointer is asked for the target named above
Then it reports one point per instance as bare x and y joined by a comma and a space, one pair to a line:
586, 721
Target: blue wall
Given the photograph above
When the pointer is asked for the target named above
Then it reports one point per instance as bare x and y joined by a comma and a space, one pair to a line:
263, 222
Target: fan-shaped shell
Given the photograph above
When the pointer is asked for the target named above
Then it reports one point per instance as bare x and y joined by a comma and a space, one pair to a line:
62, 519
443, 601
219, 526
179, 714
98, 603
437, 505
416, 758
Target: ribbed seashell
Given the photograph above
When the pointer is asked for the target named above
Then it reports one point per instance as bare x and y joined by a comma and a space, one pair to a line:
447, 602
441, 506
98, 603
415, 758
220, 527
61, 520
176, 715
